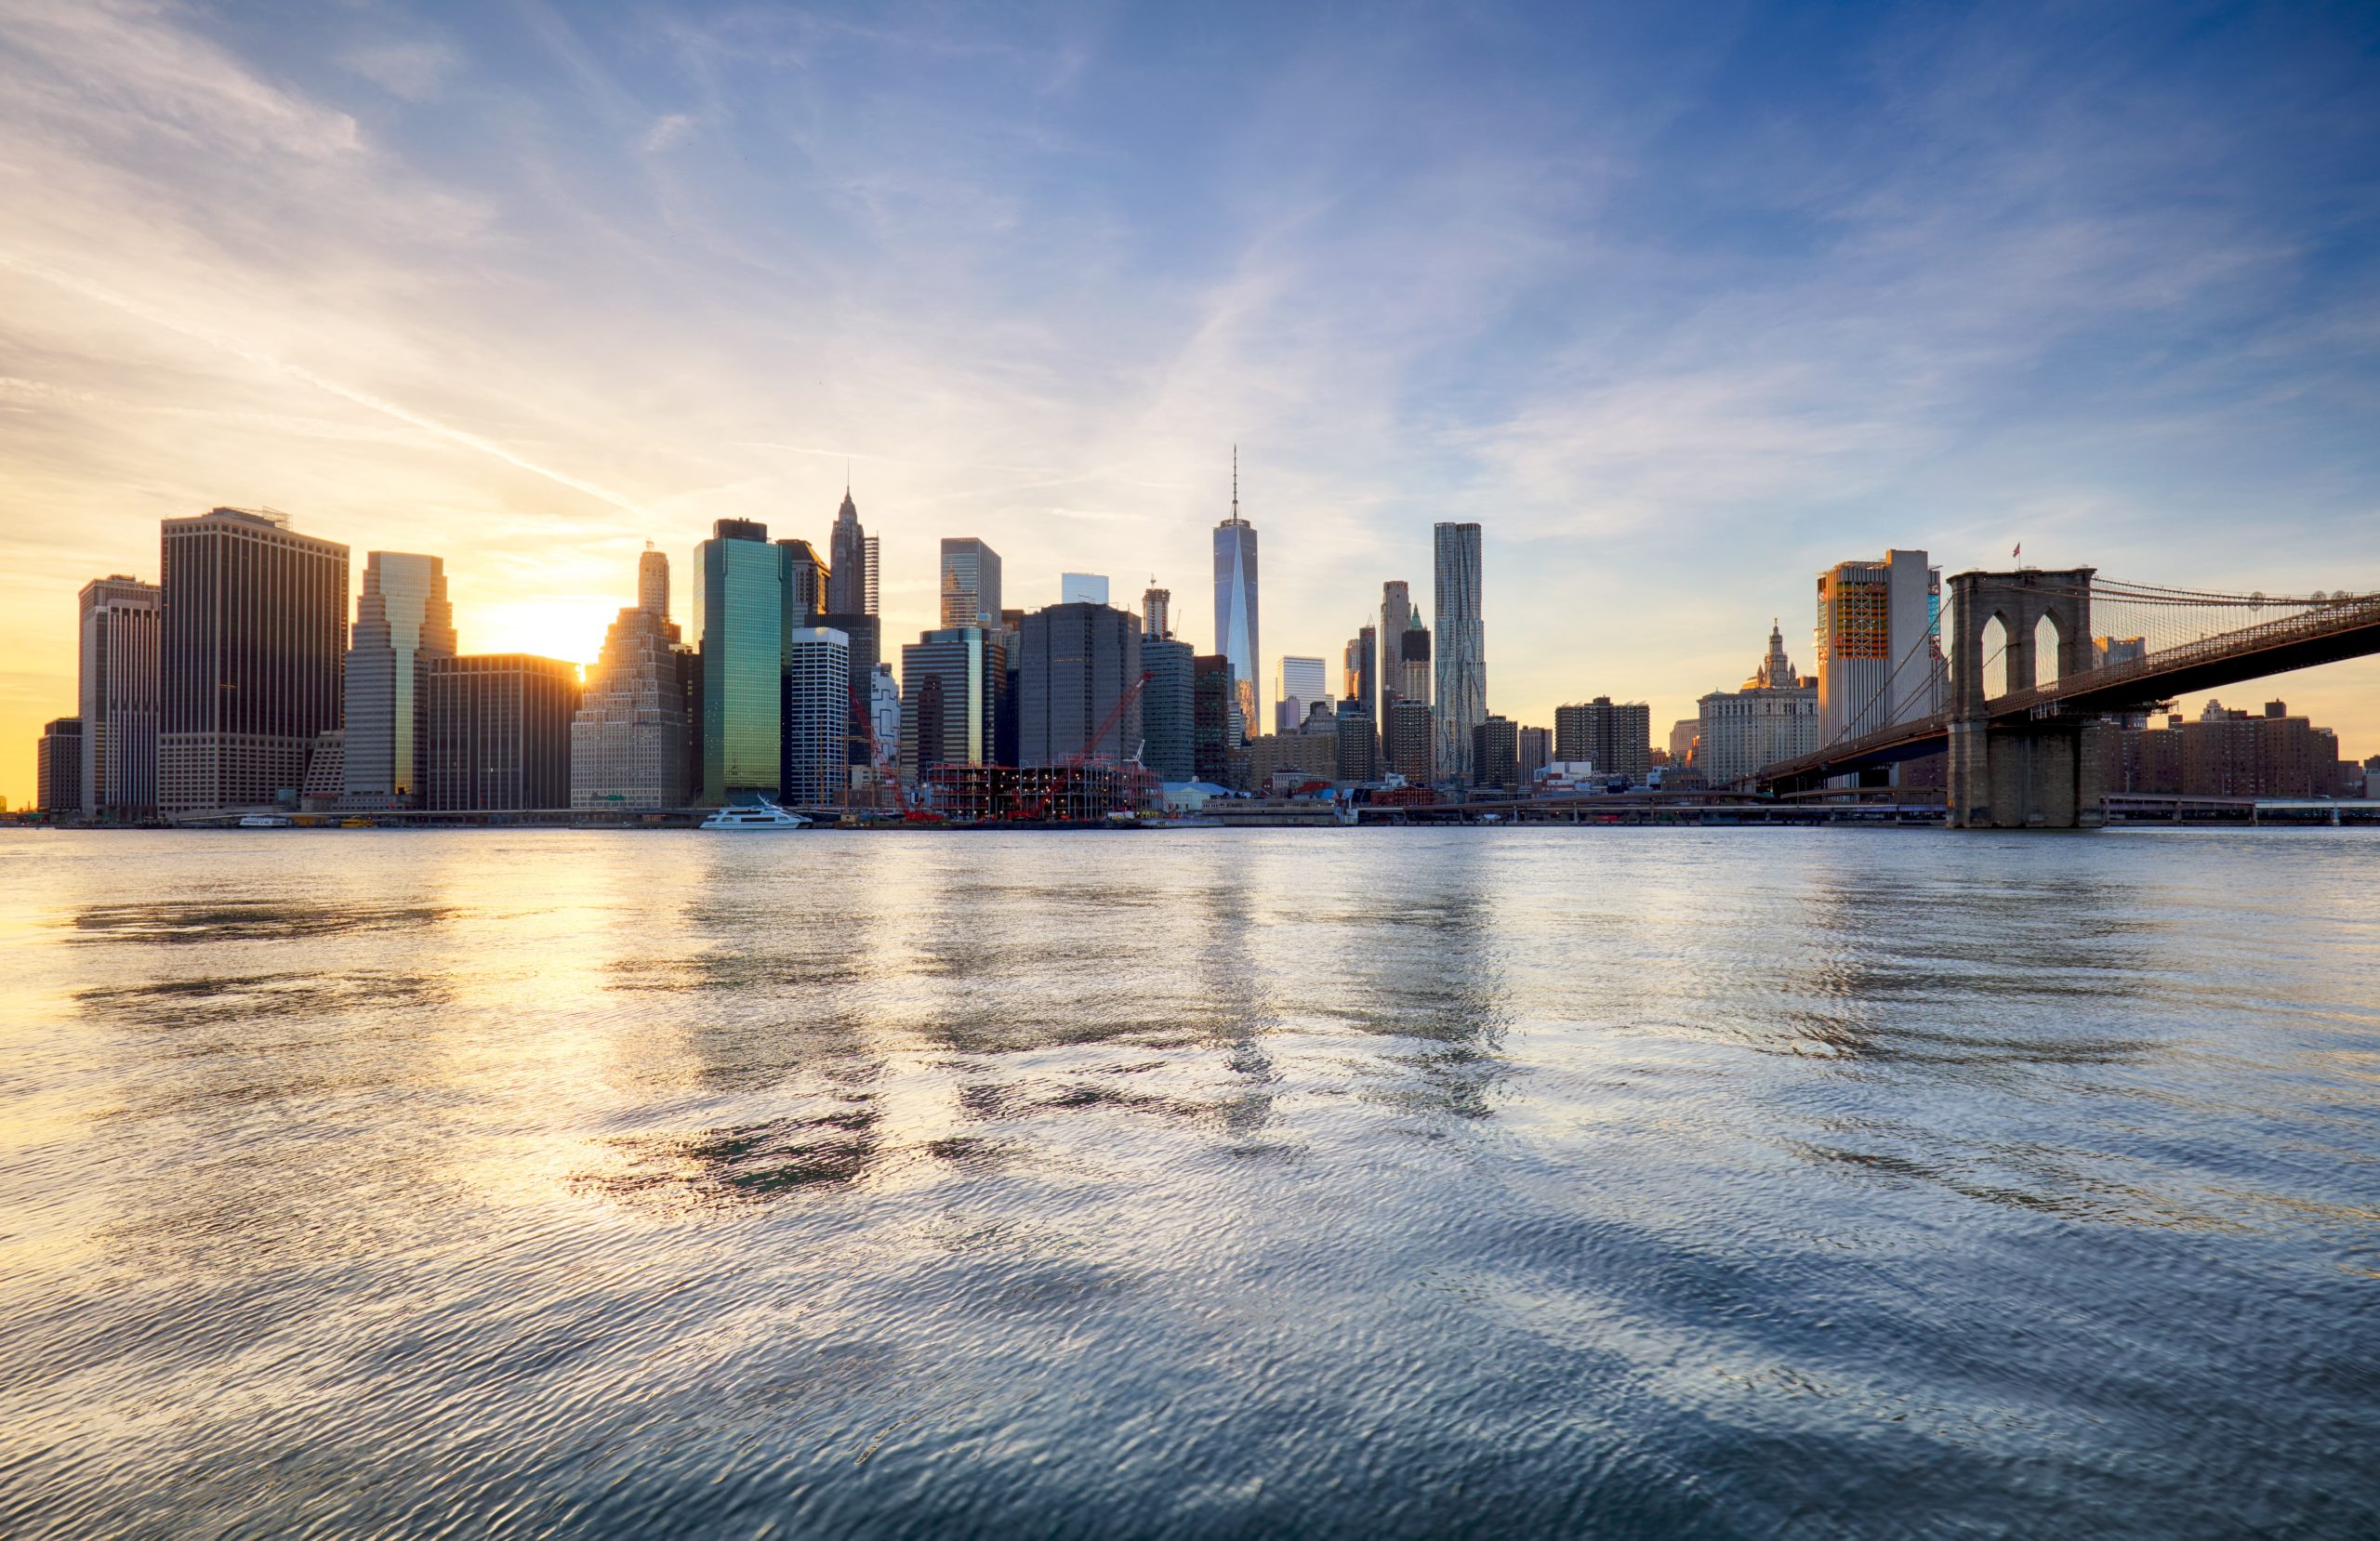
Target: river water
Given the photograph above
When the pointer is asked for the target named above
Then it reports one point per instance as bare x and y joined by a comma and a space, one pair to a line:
1616, 1182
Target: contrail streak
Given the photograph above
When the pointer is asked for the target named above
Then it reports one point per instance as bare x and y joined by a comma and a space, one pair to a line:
298, 372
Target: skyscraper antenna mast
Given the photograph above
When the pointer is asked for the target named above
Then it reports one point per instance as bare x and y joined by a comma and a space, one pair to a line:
1234, 481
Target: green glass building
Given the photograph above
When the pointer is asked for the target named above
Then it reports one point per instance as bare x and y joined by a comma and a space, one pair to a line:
743, 621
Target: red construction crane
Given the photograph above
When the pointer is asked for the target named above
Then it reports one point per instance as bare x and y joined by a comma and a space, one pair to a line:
1088, 753
1107, 724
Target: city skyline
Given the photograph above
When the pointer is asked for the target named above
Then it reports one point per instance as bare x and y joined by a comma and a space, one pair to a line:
1746, 372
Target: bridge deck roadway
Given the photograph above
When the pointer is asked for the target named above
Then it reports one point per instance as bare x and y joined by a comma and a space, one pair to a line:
2302, 641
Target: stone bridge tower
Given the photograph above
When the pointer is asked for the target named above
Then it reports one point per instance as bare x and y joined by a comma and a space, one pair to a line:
2014, 764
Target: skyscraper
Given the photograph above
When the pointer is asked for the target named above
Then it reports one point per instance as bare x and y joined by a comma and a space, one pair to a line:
1077, 663
953, 684
1157, 610
851, 555
653, 582
1411, 741
1301, 682
1462, 647
1495, 754
1082, 588
496, 731
1236, 635
1215, 728
1880, 656
1536, 751
864, 636
1357, 751
635, 741
1395, 615
1167, 708
1413, 652
805, 579
1363, 669
118, 685
743, 612
817, 717
970, 585
252, 657
58, 770
402, 617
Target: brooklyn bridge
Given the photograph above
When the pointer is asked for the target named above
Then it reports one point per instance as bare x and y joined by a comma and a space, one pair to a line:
2023, 671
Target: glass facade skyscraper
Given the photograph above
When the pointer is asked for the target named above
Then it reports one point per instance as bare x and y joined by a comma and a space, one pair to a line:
954, 681
402, 618
1165, 708
1301, 682
1077, 663
1236, 635
971, 584
1461, 648
743, 616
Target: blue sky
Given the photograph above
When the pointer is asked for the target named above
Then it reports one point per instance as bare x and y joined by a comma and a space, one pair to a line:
1682, 304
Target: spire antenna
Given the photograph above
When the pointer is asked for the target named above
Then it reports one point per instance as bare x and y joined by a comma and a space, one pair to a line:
1234, 481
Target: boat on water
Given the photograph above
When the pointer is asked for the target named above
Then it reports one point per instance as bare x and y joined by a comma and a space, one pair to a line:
264, 820
761, 816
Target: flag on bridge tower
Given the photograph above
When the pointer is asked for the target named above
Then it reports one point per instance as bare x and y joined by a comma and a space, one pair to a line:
2018, 554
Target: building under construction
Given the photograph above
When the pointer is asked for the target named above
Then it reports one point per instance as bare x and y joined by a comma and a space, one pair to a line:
1085, 793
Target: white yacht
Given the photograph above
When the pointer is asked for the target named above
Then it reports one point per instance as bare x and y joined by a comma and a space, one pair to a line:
763, 815
264, 820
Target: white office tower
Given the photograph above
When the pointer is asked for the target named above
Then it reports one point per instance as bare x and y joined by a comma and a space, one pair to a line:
817, 715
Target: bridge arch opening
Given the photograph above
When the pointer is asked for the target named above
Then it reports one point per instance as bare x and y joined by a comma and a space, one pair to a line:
2045, 646
1995, 657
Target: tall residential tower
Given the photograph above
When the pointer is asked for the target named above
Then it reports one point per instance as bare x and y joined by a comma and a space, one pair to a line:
1461, 648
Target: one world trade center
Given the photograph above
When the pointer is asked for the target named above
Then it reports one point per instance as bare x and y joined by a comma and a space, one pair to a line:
1236, 602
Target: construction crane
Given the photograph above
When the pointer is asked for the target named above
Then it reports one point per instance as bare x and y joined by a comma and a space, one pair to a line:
1088, 755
